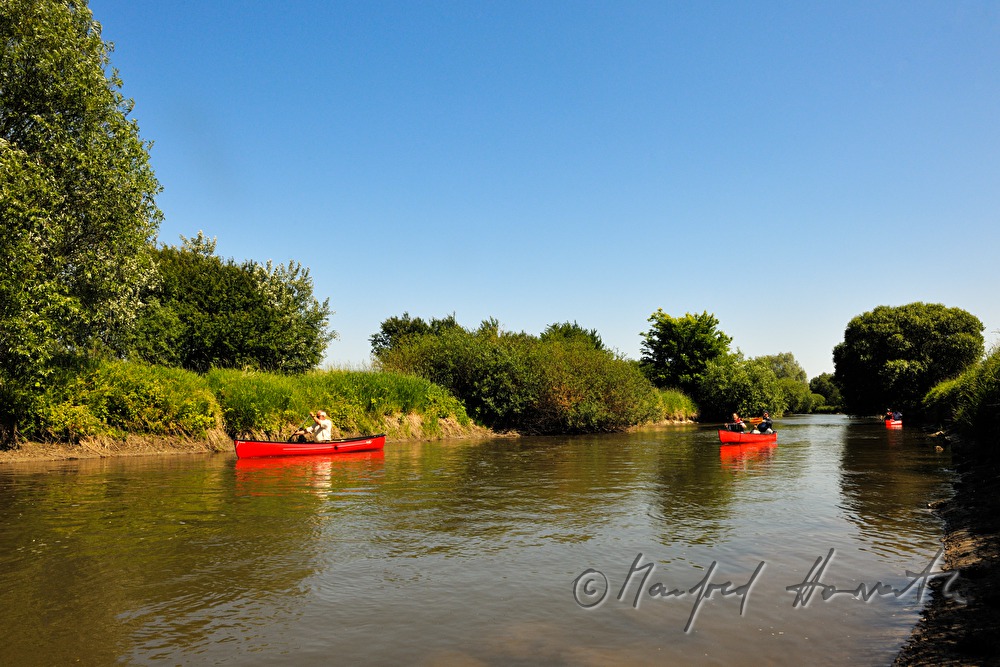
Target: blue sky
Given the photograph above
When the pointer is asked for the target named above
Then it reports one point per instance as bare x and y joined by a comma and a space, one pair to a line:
783, 165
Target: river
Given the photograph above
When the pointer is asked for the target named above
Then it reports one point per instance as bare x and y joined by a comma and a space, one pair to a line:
585, 550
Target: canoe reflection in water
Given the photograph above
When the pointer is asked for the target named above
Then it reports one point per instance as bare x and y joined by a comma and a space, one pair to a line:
745, 456
321, 473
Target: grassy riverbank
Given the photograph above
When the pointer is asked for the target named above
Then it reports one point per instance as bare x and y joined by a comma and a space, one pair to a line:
115, 408
121, 406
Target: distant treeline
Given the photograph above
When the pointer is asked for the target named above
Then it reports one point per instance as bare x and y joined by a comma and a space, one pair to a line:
562, 381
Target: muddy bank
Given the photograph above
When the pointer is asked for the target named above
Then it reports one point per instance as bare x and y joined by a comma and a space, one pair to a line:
949, 632
397, 429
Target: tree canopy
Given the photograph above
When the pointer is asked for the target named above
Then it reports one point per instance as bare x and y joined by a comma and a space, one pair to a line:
676, 350
731, 384
395, 330
77, 209
552, 383
566, 331
893, 355
213, 313
824, 385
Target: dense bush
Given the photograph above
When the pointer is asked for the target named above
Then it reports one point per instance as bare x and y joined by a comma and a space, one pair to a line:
521, 382
978, 410
114, 398
969, 402
733, 384
207, 312
273, 405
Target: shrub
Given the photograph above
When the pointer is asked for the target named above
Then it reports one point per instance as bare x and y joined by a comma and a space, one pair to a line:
114, 398
520, 382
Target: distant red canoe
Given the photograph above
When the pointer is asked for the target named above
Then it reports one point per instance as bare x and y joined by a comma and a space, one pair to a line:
894, 423
745, 438
247, 449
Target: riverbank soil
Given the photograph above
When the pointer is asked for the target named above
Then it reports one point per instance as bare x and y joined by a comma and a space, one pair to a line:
951, 633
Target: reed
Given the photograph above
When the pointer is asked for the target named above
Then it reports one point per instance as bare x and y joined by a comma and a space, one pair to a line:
271, 405
677, 405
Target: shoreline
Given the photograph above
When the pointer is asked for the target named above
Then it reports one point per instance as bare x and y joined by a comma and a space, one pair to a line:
949, 632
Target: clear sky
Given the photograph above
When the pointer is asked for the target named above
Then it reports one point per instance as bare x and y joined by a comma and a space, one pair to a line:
783, 165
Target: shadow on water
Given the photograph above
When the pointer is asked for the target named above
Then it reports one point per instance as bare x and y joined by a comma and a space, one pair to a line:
887, 478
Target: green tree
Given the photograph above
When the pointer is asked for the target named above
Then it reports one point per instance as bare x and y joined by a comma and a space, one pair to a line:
731, 384
213, 313
566, 332
394, 330
792, 380
824, 385
77, 209
676, 350
893, 355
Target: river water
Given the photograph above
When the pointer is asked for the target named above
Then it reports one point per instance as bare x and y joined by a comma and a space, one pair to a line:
587, 550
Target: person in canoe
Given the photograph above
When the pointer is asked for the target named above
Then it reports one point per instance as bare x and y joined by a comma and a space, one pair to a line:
737, 424
320, 431
765, 425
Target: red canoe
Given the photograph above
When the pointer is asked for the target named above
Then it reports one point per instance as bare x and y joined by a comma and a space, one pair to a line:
744, 438
246, 449
894, 423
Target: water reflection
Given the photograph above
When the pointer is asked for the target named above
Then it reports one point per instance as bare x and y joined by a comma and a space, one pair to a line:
744, 458
463, 551
322, 474
886, 475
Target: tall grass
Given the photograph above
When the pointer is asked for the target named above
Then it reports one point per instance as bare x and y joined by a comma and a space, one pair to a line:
677, 405
971, 401
271, 405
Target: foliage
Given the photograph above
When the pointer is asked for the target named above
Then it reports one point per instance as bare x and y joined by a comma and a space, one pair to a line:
824, 385
732, 384
798, 398
970, 402
210, 313
115, 398
785, 366
273, 405
677, 405
569, 332
677, 350
522, 382
395, 330
978, 410
77, 210
892, 356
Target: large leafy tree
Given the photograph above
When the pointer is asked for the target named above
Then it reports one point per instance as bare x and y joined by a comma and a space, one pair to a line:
395, 330
792, 380
77, 210
824, 385
893, 355
215, 313
676, 350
